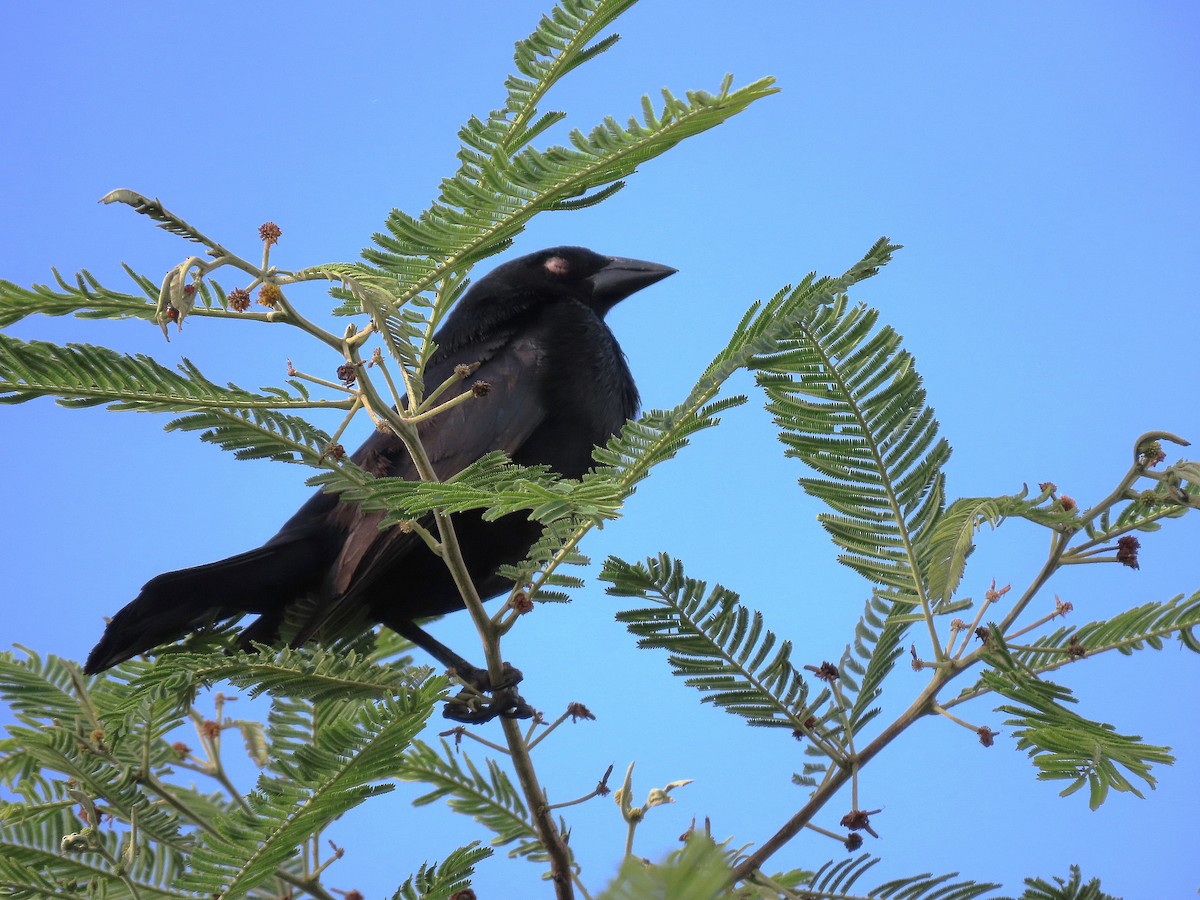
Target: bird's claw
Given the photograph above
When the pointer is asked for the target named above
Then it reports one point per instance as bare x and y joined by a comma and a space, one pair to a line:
473, 706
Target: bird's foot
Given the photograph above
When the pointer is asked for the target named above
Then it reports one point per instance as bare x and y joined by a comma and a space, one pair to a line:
472, 704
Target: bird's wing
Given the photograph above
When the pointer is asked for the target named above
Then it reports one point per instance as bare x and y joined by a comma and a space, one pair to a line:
512, 408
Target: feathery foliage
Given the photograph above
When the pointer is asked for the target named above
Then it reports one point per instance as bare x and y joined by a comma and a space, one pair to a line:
503, 181
698, 871
837, 879
876, 648
73, 746
713, 642
85, 375
441, 881
1134, 629
252, 426
320, 780
1063, 744
86, 298
313, 674
100, 745
489, 798
850, 405
952, 539
1071, 889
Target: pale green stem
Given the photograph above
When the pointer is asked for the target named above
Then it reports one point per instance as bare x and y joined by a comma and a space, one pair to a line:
548, 832
441, 408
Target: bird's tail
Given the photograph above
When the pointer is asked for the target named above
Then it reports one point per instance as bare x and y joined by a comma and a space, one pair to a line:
173, 604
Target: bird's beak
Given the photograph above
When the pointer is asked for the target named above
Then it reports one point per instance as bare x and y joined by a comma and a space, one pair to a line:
621, 277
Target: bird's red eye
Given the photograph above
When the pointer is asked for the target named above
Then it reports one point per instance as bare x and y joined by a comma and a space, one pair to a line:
557, 265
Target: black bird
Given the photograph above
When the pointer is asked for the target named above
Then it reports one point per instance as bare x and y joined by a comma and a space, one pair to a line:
559, 385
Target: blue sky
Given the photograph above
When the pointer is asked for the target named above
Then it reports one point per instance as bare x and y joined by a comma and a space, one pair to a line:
1038, 162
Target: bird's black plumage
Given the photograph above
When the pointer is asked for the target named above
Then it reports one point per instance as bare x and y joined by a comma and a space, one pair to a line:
559, 386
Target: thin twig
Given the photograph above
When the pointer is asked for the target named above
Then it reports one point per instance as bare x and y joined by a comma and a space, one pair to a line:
599, 790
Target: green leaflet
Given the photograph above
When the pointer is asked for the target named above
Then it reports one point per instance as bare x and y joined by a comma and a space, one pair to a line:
850, 404
1063, 744
953, 537
715, 644
503, 181
697, 871
490, 798
441, 880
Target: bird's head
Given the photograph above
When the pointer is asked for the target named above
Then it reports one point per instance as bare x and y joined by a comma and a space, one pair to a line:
599, 281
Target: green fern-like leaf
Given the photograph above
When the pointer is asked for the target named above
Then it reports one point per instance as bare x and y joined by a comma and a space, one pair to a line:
308, 673
490, 798
502, 181
837, 879
1071, 889
1148, 625
253, 425
33, 863
715, 644
86, 298
556, 547
698, 871
441, 881
850, 404
1063, 744
96, 735
346, 764
492, 484
878, 644
1143, 626
952, 539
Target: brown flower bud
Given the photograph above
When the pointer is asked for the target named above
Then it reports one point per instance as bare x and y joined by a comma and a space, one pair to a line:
521, 603
578, 711
269, 232
239, 299
827, 671
1127, 551
860, 820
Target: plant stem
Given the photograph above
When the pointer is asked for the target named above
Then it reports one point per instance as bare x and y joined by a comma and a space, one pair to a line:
921, 706
441, 407
548, 833
600, 789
